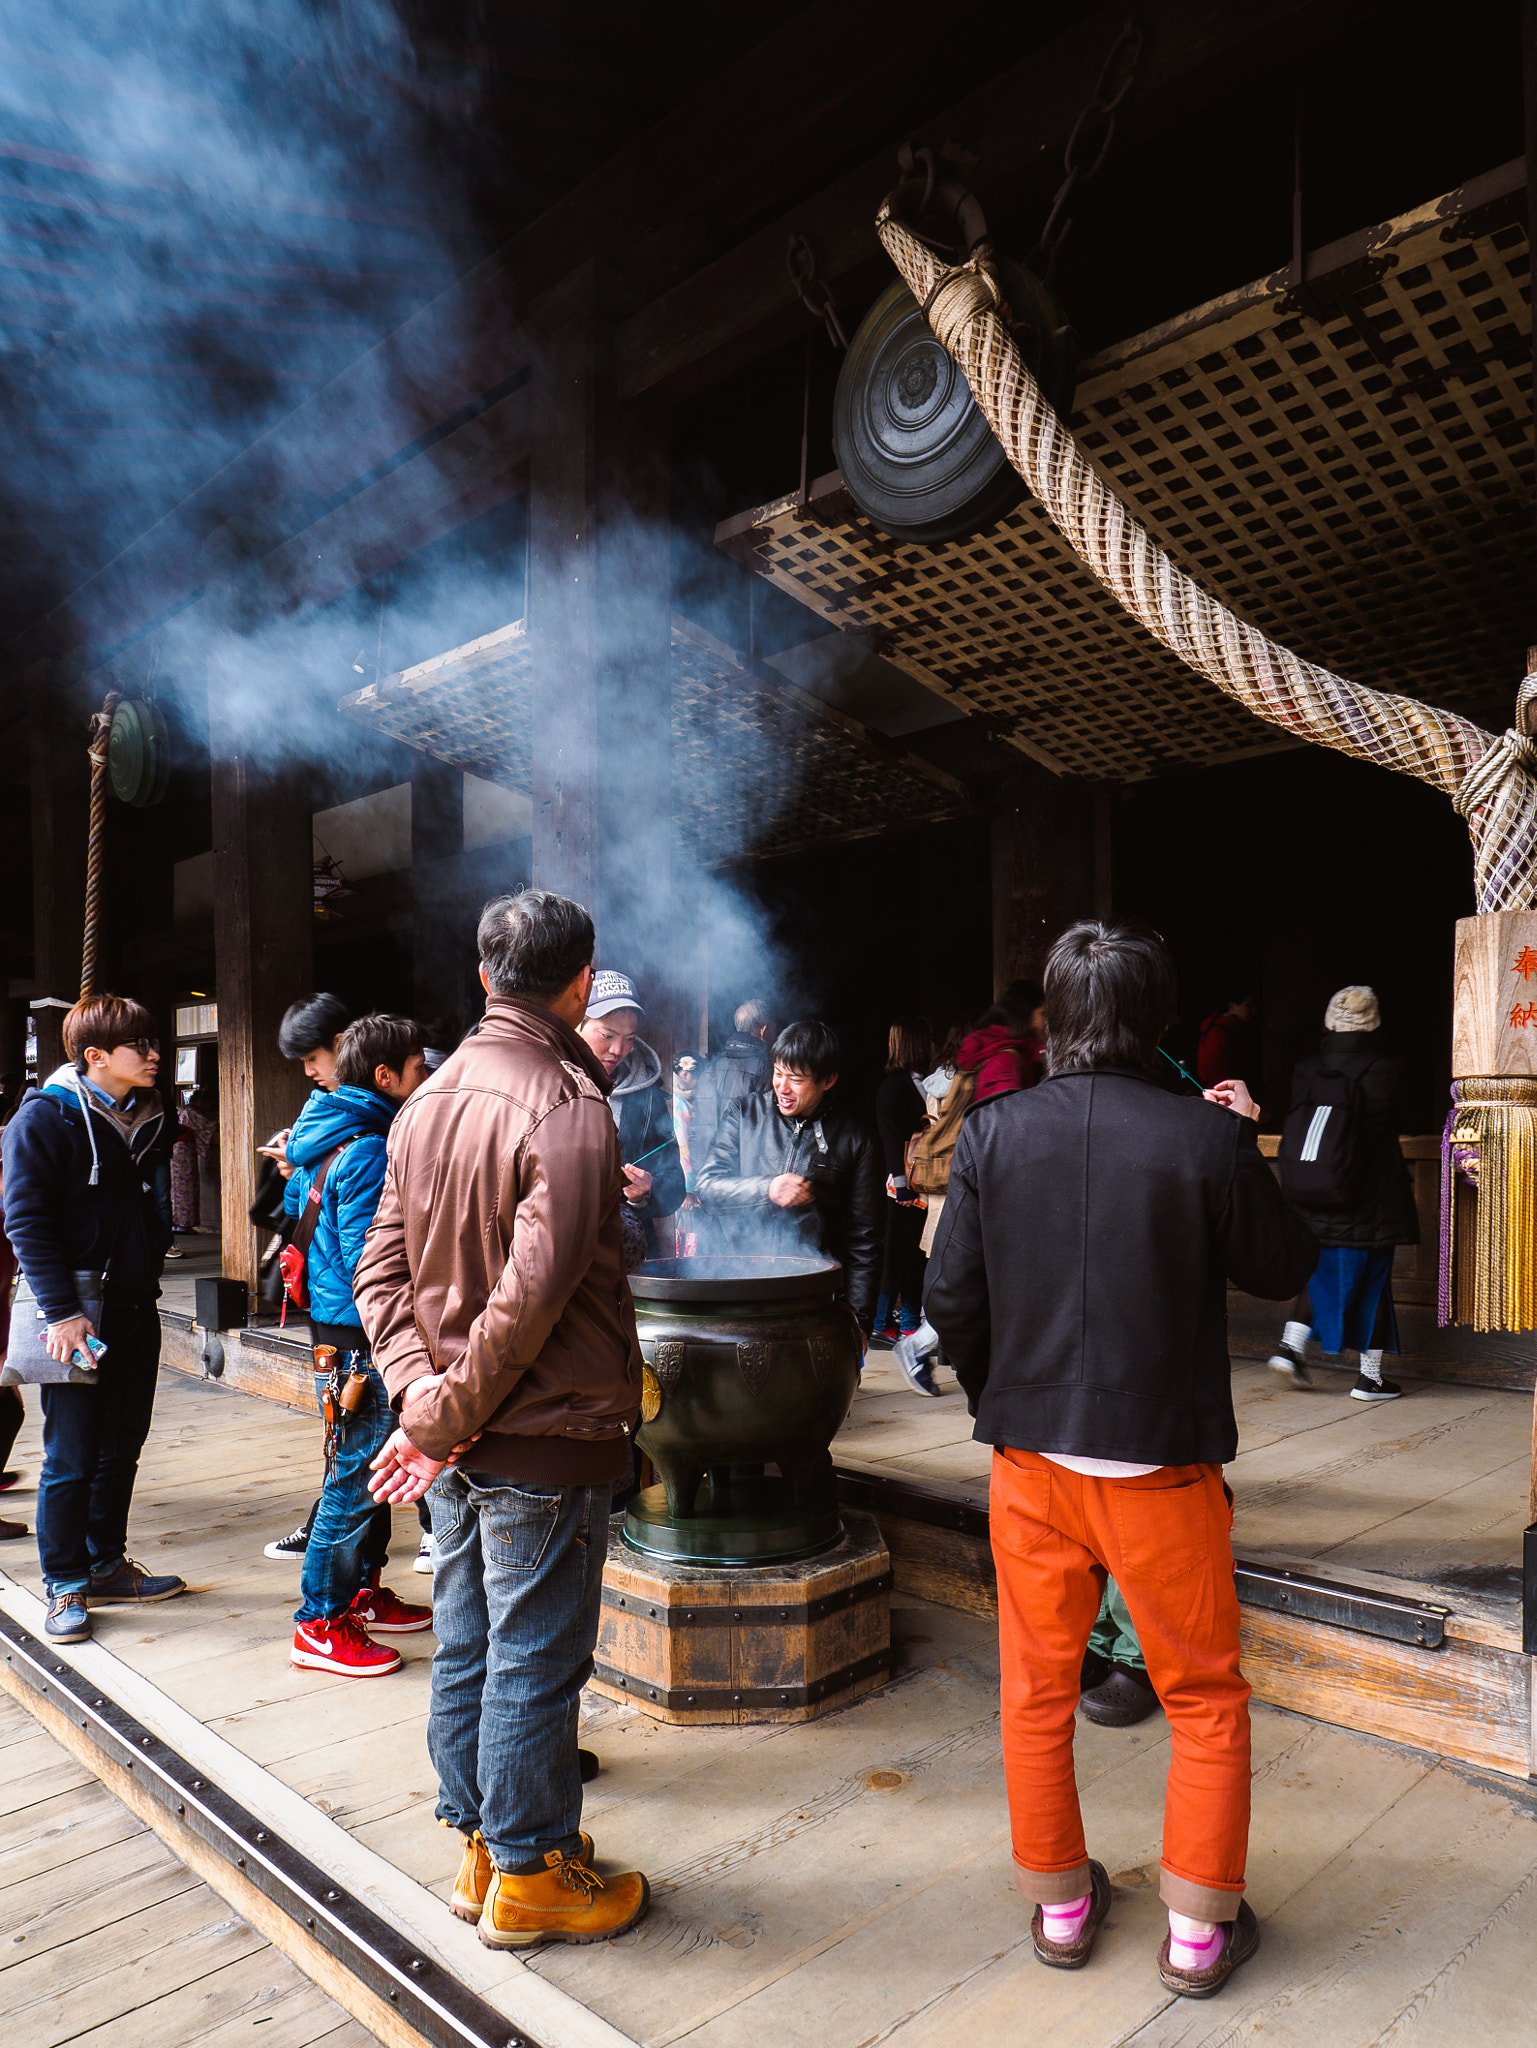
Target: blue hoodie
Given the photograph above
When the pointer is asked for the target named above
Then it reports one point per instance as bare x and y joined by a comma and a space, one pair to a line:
358, 1118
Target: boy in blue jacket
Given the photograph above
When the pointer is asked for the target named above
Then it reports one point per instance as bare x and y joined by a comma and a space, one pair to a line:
337, 1150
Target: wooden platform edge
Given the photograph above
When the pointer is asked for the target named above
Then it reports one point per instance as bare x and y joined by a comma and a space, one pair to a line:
249, 1368
1471, 1699
315, 1962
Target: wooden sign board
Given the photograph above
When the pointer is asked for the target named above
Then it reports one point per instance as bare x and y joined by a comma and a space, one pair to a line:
1494, 995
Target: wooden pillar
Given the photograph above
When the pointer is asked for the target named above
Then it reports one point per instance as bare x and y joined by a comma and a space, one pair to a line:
442, 949
1045, 870
58, 718
600, 635
263, 936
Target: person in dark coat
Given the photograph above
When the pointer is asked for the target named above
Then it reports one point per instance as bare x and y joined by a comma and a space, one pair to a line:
736, 1069
1348, 1303
654, 1185
791, 1171
1079, 1285
80, 1156
900, 1110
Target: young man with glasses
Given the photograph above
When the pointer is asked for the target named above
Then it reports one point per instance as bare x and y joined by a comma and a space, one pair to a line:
80, 1155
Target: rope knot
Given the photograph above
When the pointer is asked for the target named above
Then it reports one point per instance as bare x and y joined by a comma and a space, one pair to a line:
1512, 756
960, 296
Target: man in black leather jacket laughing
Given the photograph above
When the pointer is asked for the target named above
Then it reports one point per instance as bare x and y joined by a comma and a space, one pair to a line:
791, 1172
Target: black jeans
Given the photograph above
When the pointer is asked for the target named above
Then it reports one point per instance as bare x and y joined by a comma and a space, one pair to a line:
92, 1437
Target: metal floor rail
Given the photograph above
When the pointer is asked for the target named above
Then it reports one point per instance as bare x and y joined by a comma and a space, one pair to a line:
426, 1997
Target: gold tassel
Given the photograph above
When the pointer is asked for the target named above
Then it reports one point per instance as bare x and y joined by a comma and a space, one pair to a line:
1491, 1225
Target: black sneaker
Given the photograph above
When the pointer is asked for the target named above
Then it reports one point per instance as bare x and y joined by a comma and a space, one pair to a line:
1291, 1362
1375, 1390
68, 1621
290, 1546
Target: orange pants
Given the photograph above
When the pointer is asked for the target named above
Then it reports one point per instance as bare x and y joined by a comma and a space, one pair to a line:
1166, 1540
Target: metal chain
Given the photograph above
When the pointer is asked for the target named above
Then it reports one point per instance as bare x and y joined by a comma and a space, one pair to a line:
1117, 74
814, 293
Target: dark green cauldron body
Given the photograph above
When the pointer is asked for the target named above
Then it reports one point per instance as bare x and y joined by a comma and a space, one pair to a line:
750, 1361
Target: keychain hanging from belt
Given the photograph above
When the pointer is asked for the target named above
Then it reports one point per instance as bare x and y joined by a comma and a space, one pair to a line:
339, 1397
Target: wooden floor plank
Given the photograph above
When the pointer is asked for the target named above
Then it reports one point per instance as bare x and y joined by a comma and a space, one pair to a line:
114, 1942
258, 2000
799, 1902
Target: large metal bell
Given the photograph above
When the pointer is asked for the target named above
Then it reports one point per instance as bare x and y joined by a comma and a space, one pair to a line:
916, 454
138, 753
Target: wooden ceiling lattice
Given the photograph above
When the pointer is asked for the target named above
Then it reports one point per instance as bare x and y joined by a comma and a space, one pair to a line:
472, 707
1355, 479
755, 767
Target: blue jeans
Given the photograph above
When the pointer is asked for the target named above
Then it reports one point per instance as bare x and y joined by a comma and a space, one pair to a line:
92, 1437
346, 1537
516, 1588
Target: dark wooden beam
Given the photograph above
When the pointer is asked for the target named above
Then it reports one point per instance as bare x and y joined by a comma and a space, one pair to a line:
263, 936
57, 723
742, 304
457, 479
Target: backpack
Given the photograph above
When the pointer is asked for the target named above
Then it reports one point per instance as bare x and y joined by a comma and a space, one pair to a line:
293, 1259
1322, 1154
929, 1170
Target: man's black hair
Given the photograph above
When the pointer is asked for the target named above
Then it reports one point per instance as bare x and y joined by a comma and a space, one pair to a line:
1109, 996
380, 1040
810, 1047
312, 1023
534, 943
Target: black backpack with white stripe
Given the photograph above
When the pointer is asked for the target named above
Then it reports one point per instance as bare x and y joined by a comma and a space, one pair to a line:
1323, 1154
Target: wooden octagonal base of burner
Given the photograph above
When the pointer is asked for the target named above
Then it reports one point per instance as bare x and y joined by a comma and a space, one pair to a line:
705, 1645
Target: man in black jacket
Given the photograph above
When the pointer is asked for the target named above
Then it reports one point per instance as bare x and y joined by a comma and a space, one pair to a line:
1078, 1283
790, 1171
79, 1163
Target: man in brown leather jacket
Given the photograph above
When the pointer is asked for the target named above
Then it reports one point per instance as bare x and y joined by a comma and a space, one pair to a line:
492, 1287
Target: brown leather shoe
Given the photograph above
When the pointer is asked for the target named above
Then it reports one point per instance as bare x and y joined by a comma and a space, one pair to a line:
10, 1529
475, 1869
1241, 1942
1120, 1701
567, 1901
1072, 1955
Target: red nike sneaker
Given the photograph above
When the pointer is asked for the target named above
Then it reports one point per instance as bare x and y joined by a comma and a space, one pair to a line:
342, 1646
383, 1614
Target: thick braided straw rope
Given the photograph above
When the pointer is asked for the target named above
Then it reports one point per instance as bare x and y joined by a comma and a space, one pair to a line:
1487, 778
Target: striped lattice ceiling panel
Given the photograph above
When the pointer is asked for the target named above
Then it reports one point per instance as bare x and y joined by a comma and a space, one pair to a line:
1353, 474
757, 766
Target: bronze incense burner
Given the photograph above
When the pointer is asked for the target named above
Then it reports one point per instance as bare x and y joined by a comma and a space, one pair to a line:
749, 1361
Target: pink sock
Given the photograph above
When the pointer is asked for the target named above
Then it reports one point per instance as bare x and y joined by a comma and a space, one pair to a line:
1193, 1944
1064, 1924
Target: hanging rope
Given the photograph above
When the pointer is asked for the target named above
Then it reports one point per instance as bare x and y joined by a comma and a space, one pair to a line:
101, 734
1488, 778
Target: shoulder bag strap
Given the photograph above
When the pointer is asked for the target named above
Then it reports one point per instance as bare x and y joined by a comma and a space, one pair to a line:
309, 1215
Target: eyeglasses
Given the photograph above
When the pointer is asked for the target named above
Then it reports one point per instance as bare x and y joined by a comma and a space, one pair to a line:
144, 1047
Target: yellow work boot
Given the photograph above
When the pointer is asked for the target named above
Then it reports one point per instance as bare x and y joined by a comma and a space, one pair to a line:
566, 1901
475, 1870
